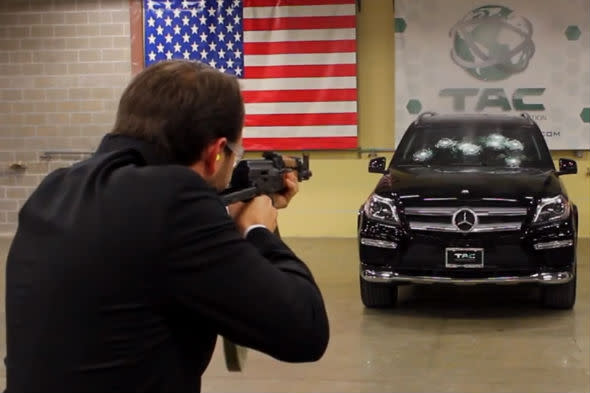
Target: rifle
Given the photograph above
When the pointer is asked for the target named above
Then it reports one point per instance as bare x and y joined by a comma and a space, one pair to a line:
251, 178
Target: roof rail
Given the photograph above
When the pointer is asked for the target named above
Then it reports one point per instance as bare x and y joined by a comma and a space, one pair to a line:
527, 117
424, 114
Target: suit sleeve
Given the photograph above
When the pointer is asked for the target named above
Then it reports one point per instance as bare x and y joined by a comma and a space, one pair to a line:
255, 291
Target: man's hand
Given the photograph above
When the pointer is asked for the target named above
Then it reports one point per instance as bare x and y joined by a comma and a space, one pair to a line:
258, 211
281, 200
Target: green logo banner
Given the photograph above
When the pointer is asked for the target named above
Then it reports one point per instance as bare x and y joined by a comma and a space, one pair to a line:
518, 56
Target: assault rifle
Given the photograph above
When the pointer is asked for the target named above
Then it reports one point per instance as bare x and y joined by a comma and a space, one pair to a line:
251, 178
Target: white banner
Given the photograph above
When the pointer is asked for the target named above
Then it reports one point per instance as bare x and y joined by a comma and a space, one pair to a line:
516, 56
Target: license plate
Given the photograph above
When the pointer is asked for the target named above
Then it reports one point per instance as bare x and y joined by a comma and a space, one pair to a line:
464, 257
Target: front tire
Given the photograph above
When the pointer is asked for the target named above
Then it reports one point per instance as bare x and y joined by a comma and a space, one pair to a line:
560, 296
376, 295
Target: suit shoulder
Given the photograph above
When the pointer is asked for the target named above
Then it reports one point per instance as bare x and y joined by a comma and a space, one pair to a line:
173, 177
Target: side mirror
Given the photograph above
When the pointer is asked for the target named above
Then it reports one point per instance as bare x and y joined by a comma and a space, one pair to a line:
377, 165
567, 167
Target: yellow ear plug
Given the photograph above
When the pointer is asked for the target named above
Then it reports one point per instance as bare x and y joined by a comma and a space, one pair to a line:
218, 157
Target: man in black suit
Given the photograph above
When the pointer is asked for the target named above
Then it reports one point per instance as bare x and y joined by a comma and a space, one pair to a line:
126, 266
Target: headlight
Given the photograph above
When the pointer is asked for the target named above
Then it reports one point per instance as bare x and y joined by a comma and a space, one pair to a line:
552, 209
381, 209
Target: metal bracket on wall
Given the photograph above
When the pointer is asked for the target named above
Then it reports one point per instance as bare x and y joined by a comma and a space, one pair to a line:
372, 151
47, 155
18, 166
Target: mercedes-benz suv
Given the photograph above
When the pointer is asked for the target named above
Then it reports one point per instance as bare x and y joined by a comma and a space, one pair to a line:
469, 199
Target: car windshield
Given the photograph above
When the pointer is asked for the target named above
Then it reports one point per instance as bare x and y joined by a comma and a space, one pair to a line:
504, 147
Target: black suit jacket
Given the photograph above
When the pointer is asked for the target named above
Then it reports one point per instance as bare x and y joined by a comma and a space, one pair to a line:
125, 268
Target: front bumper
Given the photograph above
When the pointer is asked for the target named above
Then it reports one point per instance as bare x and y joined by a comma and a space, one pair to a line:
545, 278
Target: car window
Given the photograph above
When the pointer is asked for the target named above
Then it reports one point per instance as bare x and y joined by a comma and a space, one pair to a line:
474, 146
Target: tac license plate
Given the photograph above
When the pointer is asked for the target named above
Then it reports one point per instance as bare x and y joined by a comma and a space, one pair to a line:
464, 257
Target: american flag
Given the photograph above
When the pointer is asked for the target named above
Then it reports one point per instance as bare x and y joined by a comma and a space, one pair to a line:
296, 60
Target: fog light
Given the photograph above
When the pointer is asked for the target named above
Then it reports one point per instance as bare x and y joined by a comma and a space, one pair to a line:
554, 244
378, 243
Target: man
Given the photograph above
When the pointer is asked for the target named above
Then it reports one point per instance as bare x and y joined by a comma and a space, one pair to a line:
126, 266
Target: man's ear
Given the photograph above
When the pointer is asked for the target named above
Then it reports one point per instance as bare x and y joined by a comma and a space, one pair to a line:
213, 155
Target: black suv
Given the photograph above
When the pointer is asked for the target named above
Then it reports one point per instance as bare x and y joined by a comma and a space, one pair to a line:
469, 199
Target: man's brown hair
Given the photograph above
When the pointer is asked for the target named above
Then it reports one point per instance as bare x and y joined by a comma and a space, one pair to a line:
181, 106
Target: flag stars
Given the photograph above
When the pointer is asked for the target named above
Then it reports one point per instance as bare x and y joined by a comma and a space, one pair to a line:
206, 30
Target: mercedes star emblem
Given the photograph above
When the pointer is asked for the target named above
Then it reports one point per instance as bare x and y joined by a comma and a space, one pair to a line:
465, 220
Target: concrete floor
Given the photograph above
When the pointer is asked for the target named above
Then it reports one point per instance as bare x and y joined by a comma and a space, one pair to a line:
444, 339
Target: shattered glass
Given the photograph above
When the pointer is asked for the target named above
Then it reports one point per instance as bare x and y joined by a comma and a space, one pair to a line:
494, 147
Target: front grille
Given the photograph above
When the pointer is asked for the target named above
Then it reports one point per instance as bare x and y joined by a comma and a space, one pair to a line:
465, 219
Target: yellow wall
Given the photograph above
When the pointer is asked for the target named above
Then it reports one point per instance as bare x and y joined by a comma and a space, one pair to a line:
326, 205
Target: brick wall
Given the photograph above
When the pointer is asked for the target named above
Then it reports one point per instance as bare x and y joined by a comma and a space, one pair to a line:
63, 66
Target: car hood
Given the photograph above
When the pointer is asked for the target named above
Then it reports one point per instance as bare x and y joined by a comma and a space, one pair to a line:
439, 182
